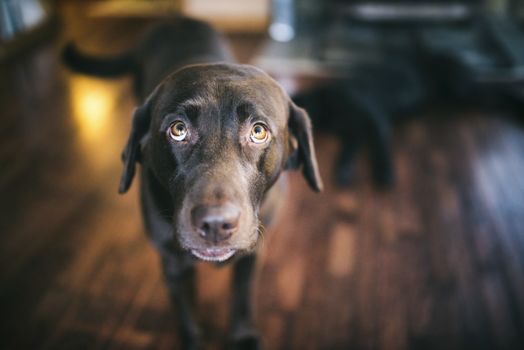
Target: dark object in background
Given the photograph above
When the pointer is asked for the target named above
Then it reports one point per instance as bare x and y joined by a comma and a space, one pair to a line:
478, 62
481, 62
203, 193
362, 109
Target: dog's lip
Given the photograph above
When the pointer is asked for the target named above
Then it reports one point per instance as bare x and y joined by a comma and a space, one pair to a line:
214, 254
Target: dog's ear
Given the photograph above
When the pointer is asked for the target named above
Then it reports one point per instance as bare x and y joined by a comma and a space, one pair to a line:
132, 154
302, 147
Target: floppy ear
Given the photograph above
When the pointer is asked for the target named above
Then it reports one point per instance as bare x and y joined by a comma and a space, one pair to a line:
131, 154
304, 152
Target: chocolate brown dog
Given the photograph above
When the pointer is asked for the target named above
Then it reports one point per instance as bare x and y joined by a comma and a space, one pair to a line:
213, 139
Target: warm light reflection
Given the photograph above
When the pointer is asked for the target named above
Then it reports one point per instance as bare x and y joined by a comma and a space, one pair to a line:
93, 101
101, 111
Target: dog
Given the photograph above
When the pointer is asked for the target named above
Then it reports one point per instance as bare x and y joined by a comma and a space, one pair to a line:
213, 139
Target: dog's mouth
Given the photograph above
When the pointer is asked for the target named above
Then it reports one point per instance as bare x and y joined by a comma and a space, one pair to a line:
214, 254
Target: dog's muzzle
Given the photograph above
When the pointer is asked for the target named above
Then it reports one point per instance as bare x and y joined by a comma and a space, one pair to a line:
216, 224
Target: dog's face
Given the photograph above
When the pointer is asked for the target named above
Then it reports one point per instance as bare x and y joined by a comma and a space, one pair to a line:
216, 137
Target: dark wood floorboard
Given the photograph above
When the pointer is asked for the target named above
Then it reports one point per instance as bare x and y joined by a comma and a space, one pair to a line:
435, 263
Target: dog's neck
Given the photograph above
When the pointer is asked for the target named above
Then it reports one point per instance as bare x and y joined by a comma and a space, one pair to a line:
273, 201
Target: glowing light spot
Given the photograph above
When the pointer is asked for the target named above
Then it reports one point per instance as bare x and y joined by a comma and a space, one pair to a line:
93, 102
101, 111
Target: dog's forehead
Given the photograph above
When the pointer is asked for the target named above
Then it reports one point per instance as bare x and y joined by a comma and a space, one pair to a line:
225, 86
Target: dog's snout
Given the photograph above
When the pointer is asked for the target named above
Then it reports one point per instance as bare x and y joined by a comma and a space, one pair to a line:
215, 223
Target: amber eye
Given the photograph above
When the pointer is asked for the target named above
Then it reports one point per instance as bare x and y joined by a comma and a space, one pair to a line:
178, 131
259, 133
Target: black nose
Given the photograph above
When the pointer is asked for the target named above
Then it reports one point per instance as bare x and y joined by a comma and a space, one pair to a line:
215, 223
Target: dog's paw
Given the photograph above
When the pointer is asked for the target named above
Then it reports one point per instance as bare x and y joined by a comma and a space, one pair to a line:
249, 340
249, 343
191, 342
384, 176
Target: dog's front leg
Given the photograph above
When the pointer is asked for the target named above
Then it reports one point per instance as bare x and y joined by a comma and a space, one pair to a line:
243, 332
180, 278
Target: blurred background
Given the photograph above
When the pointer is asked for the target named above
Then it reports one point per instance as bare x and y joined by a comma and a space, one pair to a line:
417, 241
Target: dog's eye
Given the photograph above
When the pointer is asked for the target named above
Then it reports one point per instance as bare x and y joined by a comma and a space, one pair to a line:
178, 131
259, 133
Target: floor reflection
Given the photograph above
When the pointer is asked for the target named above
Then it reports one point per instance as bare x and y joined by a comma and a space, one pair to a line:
101, 111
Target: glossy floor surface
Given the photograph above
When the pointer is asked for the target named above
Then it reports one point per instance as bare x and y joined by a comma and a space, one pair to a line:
435, 263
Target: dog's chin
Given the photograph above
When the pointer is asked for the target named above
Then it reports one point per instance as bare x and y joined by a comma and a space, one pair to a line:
214, 254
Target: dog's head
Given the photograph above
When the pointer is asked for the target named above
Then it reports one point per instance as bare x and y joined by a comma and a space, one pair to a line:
216, 137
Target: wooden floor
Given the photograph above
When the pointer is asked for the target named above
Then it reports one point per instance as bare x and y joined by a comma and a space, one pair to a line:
435, 263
